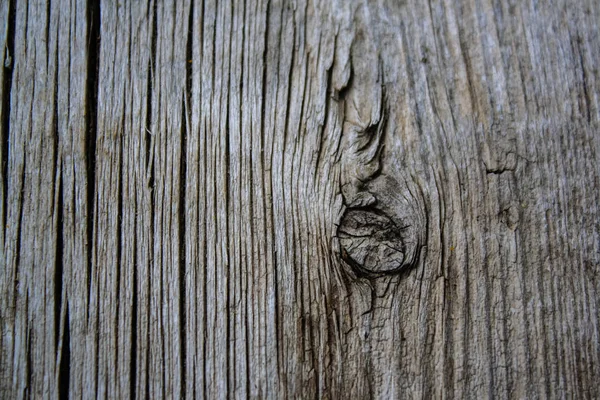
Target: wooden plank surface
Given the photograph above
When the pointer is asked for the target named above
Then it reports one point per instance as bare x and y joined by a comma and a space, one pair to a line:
337, 199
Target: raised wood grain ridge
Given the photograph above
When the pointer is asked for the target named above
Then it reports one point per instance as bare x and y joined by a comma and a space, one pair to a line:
185, 184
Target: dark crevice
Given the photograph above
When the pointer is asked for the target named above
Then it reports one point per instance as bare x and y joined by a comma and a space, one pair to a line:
340, 95
119, 235
148, 136
64, 368
19, 202
586, 94
149, 90
150, 168
182, 188
91, 113
241, 146
5, 127
264, 86
48, 14
26, 27
149, 176
147, 366
182, 258
29, 365
134, 284
91, 117
328, 95
227, 240
134, 317
129, 43
264, 114
498, 171
59, 270
188, 60
204, 228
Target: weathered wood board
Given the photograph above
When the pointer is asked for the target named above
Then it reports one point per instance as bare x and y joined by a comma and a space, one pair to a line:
299, 199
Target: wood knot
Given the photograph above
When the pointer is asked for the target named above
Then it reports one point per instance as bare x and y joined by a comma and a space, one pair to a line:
373, 243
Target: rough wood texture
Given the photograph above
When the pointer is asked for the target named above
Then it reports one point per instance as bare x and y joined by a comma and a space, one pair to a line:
269, 199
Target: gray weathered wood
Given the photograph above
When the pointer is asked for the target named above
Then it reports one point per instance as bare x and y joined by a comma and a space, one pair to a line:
269, 199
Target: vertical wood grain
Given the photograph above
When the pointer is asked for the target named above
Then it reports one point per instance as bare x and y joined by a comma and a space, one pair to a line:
174, 175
